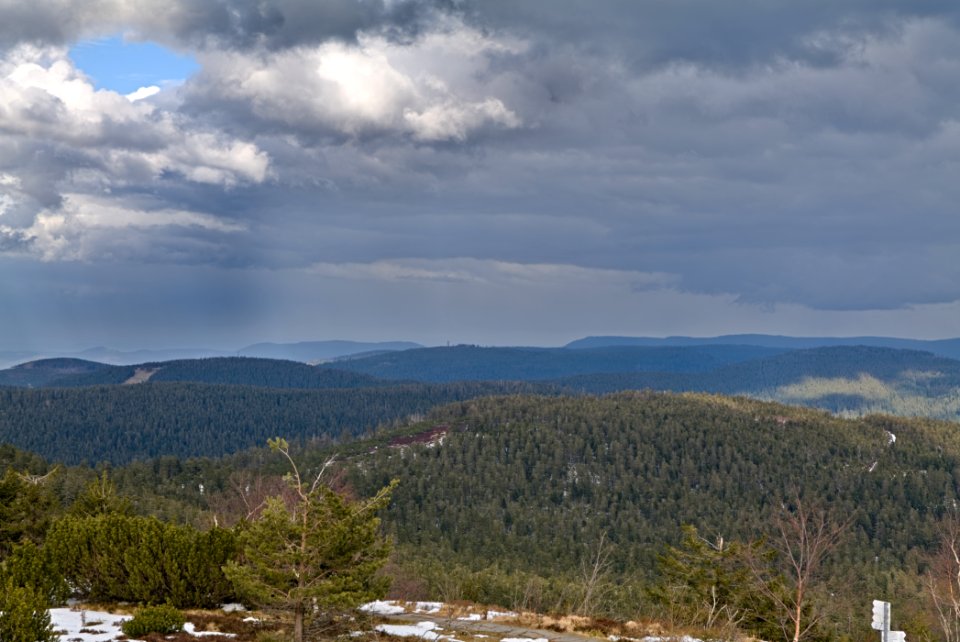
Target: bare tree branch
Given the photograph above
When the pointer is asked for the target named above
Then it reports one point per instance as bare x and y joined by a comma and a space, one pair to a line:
804, 537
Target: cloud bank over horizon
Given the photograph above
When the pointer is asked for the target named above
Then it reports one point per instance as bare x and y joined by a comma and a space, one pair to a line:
482, 171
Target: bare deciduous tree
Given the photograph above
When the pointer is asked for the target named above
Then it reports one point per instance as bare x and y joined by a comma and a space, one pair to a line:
804, 537
943, 579
246, 496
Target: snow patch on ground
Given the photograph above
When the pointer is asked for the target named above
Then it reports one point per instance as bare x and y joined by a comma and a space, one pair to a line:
189, 627
98, 626
524, 640
428, 608
381, 607
891, 438
88, 626
422, 630
232, 607
396, 607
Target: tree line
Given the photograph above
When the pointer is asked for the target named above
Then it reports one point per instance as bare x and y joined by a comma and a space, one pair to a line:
310, 547
118, 424
588, 504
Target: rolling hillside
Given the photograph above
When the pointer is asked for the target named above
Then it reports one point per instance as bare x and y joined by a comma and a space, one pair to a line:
46, 371
949, 348
853, 380
527, 487
315, 351
504, 499
473, 363
856, 380
118, 424
239, 371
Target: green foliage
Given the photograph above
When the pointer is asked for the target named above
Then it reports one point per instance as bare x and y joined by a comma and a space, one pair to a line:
100, 498
418, 576
319, 549
164, 619
137, 559
31, 566
26, 508
709, 584
23, 614
341, 554
531, 481
122, 423
703, 582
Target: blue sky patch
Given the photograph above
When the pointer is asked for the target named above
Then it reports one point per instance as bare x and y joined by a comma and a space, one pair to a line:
124, 67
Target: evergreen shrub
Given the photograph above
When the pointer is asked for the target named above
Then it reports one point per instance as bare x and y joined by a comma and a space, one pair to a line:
154, 619
23, 615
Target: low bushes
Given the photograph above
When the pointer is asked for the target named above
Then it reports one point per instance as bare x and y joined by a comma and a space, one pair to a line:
153, 619
139, 559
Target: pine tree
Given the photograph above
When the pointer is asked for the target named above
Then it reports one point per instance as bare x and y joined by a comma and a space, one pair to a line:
26, 506
100, 498
321, 550
23, 614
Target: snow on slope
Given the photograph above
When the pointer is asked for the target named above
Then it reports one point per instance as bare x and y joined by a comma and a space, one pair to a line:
97, 626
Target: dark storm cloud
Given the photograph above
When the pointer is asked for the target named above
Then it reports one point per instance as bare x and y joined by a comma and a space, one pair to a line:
732, 155
211, 24
714, 34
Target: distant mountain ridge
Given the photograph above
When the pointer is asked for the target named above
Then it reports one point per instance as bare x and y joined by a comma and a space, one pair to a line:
313, 351
790, 367
853, 380
943, 347
847, 379
474, 363
305, 351
237, 371
44, 372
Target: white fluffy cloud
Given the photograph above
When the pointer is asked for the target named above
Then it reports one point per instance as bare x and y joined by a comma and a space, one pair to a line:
430, 89
94, 143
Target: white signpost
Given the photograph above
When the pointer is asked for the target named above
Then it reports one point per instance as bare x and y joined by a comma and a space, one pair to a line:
881, 622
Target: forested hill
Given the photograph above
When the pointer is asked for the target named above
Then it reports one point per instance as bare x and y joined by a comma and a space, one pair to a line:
313, 351
786, 369
45, 371
533, 482
509, 498
243, 371
949, 348
474, 363
122, 423
857, 379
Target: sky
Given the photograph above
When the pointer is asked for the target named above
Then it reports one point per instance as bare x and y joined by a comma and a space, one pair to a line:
219, 173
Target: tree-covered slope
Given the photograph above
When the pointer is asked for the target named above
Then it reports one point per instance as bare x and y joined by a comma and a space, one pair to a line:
240, 371
45, 371
949, 348
122, 423
313, 351
855, 379
533, 482
473, 363
509, 497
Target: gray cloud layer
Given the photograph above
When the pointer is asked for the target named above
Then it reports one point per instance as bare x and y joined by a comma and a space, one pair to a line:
750, 156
